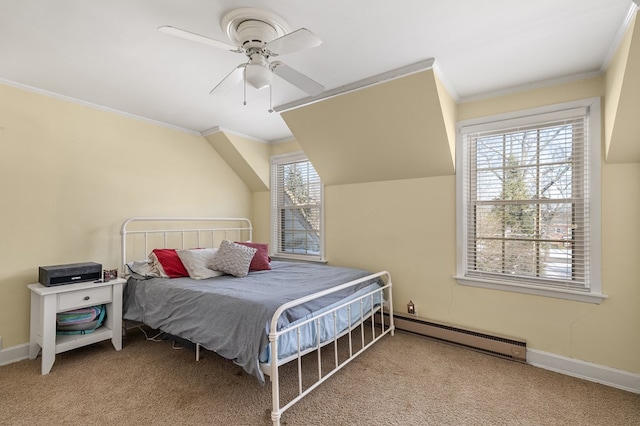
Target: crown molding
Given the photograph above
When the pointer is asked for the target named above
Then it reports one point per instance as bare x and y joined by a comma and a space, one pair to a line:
427, 64
531, 86
212, 131
615, 44
446, 83
218, 129
93, 106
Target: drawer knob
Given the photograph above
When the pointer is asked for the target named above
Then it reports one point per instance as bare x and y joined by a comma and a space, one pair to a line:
87, 298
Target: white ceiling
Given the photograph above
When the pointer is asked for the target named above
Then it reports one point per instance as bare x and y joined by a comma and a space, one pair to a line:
110, 54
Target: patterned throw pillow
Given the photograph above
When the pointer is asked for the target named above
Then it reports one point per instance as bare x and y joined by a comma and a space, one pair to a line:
232, 258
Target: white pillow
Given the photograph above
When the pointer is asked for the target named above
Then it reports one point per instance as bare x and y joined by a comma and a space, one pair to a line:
232, 258
195, 261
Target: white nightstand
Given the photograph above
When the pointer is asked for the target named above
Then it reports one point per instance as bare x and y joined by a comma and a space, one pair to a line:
47, 301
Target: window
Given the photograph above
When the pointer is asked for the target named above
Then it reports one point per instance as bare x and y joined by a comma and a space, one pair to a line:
296, 208
528, 202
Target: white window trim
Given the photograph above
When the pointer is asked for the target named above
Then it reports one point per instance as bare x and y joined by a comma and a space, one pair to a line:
594, 294
292, 157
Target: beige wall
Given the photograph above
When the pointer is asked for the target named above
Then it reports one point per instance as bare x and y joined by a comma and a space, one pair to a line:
410, 231
379, 133
63, 204
408, 228
604, 334
70, 175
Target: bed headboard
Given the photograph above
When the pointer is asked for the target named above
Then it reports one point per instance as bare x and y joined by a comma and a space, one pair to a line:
140, 235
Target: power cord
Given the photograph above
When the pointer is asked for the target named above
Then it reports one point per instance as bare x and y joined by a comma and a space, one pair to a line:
159, 337
153, 338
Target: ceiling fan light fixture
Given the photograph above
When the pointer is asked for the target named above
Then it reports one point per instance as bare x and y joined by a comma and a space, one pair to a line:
258, 76
257, 72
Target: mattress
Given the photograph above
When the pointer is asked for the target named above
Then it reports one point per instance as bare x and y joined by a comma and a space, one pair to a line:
230, 315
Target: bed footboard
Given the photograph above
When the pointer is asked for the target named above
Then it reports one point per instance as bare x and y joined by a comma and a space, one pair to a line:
362, 330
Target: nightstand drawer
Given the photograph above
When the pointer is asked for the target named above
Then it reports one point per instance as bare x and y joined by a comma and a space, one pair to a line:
82, 298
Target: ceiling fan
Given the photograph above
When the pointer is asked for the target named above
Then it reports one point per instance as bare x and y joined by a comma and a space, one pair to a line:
260, 35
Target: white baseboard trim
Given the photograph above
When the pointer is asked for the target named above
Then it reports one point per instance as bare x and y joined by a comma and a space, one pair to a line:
14, 354
620, 379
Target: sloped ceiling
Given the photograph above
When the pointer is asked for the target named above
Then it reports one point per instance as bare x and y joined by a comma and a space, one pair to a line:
623, 94
399, 129
404, 128
247, 157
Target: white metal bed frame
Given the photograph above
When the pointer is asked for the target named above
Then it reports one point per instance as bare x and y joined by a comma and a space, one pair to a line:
379, 327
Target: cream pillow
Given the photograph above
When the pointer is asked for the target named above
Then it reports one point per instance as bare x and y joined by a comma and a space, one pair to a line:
232, 258
195, 261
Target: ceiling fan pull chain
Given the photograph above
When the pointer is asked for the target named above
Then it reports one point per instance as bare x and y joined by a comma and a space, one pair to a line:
270, 98
244, 85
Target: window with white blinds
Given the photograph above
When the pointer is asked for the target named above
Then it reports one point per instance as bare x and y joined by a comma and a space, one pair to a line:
528, 202
296, 208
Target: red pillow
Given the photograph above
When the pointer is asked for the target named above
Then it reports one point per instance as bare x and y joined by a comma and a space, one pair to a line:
171, 263
261, 259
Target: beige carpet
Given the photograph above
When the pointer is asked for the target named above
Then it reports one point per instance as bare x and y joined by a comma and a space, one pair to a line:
401, 380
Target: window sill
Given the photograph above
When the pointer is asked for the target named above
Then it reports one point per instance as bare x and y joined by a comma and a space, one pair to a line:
577, 296
296, 258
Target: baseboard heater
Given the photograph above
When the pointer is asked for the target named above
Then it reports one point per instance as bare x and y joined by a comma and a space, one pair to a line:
494, 345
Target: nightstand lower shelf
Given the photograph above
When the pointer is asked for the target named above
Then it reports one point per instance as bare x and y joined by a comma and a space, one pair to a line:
73, 341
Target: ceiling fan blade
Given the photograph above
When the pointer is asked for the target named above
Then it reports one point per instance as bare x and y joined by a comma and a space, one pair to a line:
198, 38
233, 78
292, 42
296, 78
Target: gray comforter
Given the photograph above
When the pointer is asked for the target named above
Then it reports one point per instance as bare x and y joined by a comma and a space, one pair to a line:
228, 315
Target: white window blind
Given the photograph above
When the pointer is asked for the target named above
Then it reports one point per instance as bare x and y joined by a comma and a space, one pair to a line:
297, 218
526, 216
